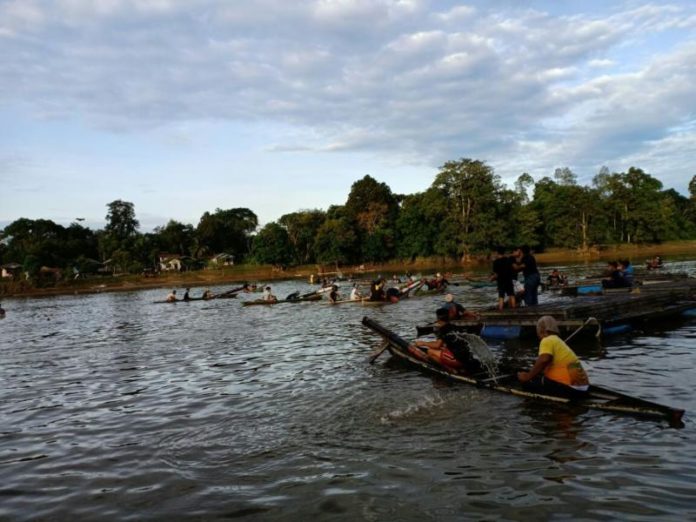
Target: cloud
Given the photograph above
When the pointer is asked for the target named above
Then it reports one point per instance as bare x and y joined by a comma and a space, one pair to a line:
523, 89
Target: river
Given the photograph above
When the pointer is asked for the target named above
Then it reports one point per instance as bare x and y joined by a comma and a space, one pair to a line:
116, 408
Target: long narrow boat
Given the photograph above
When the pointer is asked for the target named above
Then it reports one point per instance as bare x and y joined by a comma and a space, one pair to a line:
598, 397
262, 302
190, 299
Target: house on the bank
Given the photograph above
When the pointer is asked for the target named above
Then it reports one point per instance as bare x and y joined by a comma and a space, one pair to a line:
11, 271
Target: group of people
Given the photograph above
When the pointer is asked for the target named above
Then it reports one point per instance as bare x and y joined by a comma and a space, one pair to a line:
619, 274
207, 294
381, 291
505, 272
557, 369
439, 282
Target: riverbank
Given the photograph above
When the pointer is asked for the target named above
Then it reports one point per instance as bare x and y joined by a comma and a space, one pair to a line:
264, 273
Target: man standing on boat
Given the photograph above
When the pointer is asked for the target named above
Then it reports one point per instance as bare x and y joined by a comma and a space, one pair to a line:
503, 274
450, 350
527, 263
557, 368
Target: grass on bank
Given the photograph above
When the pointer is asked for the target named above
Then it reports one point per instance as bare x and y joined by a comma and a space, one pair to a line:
264, 273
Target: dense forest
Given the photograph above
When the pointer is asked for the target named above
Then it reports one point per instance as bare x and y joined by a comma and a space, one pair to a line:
466, 211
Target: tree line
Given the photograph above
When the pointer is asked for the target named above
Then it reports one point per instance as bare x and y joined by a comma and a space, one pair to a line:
466, 211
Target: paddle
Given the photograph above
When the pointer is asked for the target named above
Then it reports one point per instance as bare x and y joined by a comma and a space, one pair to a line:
583, 325
233, 291
379, 352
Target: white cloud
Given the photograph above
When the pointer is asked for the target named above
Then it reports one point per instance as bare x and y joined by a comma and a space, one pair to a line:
523, 89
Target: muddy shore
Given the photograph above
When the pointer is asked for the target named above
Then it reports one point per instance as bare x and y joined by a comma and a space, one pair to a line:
263, 274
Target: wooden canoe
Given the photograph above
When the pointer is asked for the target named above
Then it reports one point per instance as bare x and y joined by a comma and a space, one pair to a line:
598, 397
262, 302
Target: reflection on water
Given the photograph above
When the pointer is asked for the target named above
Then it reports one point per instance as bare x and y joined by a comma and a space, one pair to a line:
113, 407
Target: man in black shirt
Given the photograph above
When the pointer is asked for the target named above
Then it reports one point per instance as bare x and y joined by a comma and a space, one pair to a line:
527, 263
503, 274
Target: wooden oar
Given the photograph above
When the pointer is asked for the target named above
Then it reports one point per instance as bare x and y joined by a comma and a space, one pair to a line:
380, 351
230, 292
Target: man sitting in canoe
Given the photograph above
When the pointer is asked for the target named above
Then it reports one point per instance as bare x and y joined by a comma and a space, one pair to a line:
186, 295
268, 295
333, 294
556, 279
172, 296
438, 283
377, 290
355, 294
450, 350
457, 311
557, 368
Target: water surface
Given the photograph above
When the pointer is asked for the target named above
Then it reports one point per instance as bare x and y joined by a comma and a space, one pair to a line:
115, 408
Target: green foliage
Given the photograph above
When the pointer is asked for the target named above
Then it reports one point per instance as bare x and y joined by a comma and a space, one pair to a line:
176, 238
302, 228
336, 242
272, 246
466, 210
416, 226
227, 231
472, 192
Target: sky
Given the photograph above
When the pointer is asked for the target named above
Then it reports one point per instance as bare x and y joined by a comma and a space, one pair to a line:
185, 106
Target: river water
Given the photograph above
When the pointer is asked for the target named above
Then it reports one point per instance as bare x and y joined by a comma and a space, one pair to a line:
115, 408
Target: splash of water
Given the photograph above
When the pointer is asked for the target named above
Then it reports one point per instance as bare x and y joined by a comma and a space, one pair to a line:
481, 351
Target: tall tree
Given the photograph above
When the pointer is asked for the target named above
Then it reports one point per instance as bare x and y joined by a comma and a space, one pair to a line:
417, 225
372, 210
272, 246
120, 220
227, 231
471, 190
336, 242
302, 228
176, 238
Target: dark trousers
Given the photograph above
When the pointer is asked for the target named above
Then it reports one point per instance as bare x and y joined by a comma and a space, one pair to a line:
551, 387
531, 289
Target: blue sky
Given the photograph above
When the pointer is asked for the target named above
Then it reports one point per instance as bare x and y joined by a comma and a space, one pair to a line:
186, 106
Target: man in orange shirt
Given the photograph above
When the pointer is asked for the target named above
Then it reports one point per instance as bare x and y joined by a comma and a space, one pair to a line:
557, 368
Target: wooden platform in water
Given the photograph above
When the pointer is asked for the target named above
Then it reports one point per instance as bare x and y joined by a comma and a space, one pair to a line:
606, 314
593, 286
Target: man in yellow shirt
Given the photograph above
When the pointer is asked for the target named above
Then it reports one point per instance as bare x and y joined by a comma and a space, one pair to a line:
561, 368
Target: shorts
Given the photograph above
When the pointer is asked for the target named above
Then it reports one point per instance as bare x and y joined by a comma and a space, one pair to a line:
505, 288
448, 359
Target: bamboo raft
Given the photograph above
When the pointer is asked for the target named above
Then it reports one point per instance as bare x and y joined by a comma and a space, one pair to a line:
594, 315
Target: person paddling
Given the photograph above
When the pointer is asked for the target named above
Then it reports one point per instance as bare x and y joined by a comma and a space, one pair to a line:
186, 295
457, 311
171, 298
268, 296
2, 311
557, 369
450, 350
355, 294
